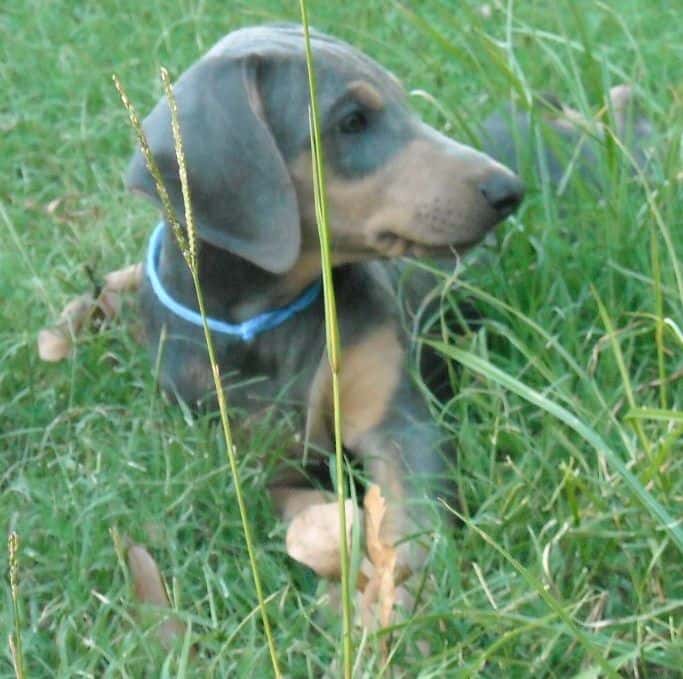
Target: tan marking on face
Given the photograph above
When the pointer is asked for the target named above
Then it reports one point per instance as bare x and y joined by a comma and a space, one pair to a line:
426, 199
366, 94
307, 268
301, 172
371, 370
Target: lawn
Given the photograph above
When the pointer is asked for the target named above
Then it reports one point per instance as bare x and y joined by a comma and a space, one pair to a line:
568, 413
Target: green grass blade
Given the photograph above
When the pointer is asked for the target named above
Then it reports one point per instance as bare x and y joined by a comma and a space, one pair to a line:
655, 414
543, 591
15, 644
333, 344
628, 389
191, 259
649, 503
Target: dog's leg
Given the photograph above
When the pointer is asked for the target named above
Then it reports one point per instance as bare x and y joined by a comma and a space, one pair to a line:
386, 424
403, 457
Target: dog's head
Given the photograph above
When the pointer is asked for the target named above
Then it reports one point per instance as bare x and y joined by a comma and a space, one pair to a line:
394, 185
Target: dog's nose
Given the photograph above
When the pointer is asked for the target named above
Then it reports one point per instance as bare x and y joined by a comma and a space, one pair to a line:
503, 192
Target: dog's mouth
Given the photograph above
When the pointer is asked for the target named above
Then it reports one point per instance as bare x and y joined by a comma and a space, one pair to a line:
392, 245
389, 244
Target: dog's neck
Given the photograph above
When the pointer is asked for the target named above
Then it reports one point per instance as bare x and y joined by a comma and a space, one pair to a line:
234, 289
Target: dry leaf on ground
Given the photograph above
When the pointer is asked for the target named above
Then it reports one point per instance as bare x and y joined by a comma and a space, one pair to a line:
379, 595
313, 536
149, 589
55, 343
127, 279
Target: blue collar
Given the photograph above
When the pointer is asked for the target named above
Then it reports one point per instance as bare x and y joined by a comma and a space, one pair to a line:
246, 330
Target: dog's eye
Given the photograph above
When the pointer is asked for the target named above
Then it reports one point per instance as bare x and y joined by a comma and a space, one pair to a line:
353, 123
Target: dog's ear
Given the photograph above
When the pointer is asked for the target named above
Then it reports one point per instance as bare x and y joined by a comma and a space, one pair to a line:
243, 199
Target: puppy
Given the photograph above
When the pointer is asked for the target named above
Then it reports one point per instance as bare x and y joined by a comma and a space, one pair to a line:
395, 188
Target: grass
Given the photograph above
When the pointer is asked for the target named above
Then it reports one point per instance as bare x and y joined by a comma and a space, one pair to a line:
563, 565
333, 345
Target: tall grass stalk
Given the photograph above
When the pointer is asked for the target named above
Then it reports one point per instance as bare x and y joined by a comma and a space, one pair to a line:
333, 343
188, 247
15, 647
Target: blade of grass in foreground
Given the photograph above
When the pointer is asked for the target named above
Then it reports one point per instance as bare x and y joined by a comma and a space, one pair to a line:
15, 646
188, 247
651, 505
655, 414
628, 389
333, 345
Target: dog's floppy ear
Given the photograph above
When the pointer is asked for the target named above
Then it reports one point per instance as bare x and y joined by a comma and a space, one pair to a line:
243, 198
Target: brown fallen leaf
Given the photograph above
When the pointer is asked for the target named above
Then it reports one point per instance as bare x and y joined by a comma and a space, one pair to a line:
76, 311
109, 303
375, 509
55, 343
70, 208
53, 205
150, 590
127, 279
368, 610
289, 502
387, 591
313, 536
381, 588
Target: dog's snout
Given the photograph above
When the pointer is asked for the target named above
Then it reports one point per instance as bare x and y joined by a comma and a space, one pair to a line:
503, 191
